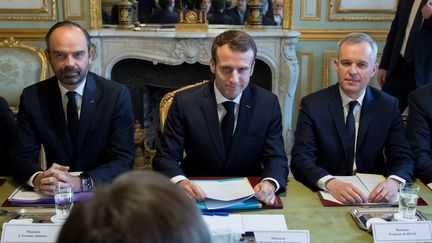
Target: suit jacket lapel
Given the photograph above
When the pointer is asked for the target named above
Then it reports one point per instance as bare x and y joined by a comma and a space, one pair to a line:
89, 103
367, 111
336, 110
209, 107
53, 100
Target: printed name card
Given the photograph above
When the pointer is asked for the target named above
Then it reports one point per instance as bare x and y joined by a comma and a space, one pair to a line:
40, 233
291, 236
420, 231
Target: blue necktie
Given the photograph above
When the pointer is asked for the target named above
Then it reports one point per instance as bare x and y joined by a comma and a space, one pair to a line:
227, 126
350, 131
72, 117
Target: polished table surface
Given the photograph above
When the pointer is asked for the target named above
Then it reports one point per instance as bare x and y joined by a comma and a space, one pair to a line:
303, 211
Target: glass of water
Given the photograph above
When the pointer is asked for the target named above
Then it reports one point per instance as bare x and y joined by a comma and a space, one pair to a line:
408, 196
63, 195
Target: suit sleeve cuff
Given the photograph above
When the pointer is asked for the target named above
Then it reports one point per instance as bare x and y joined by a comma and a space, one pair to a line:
177, 179
30, 181
401, 180
274, 181
323, 180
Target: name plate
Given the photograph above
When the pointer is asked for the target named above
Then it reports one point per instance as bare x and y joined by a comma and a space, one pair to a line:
41, 233
291, 236
420, 231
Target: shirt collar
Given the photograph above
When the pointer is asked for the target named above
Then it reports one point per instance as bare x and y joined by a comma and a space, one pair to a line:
346, 99
79, 89
220, 98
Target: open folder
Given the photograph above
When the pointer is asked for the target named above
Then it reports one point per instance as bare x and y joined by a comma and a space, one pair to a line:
231, 193
365, 183
27, 196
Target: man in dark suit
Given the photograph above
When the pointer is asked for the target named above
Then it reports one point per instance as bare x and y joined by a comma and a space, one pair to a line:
238, 13
166, 14
84, 122
406, 62
419, 130
218, 16
226, 127
7, 136
350, 127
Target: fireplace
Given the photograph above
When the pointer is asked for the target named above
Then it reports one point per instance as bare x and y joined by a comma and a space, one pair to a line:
153, 63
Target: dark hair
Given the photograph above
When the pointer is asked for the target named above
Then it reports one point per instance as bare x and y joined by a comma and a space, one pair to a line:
69, 24
237, 41
140, 206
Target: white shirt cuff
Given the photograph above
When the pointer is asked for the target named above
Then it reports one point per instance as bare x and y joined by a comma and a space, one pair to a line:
401, 180
177, 179
323, 180
30, 181
274, 181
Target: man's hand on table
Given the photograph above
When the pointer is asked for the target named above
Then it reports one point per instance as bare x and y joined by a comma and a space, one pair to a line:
265, 192
384, 191
192, 189
45, 181
345, 193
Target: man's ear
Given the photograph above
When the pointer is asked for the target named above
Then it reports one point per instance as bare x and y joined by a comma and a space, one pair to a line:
212, 66
47, 55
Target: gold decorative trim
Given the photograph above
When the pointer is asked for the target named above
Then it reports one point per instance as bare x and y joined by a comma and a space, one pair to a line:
309, 72
66, 11
288, 14
328, 55
339, 9
12, 43
50, 10
41, 9
95, 14
317, 13
382, 17
337, 34
24, 34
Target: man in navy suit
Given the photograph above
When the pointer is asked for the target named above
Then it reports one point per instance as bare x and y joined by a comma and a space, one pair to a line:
406, 62
419, 130
238, 13
7, 136
198, 117
84, 122
324, 146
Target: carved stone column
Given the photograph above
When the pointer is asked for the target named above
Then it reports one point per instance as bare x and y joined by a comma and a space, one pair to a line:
288, 85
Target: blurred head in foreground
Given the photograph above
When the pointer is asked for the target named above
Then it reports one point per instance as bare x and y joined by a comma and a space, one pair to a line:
139, 206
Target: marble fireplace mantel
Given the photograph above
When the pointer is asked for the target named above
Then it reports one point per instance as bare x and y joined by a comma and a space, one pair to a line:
276, 47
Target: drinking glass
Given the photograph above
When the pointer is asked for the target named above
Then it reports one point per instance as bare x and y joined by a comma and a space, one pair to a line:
408, 196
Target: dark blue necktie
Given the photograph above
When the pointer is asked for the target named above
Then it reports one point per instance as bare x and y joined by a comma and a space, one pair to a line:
415, 29
350, 131
227, 126
72, 116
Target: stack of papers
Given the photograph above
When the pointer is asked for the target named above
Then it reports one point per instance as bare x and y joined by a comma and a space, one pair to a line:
234, 193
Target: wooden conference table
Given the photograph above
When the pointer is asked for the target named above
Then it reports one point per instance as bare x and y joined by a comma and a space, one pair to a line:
303, 211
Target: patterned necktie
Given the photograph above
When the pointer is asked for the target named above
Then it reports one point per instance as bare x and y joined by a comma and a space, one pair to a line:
72, 116
350, 130
227, 126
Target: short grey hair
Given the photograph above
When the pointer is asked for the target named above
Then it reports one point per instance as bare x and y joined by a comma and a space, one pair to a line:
356, 38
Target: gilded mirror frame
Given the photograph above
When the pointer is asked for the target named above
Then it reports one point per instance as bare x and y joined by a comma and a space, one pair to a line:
96, 13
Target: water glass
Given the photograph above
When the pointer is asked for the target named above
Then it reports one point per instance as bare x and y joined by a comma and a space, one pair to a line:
63, 194
408, 196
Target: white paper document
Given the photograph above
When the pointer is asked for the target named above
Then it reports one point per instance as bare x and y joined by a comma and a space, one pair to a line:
229, 228
228, 193
364, 182
227, 189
